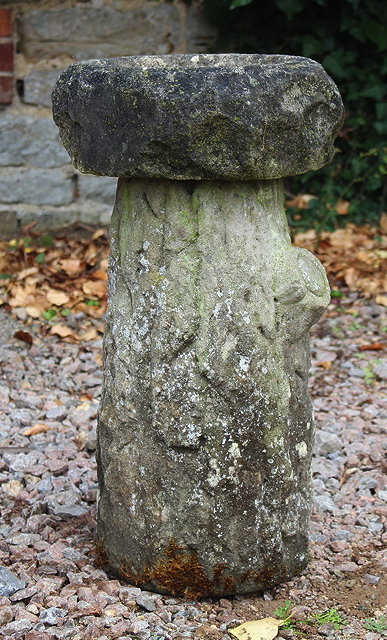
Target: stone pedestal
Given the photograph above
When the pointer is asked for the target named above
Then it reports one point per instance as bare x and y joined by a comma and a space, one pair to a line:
205, 428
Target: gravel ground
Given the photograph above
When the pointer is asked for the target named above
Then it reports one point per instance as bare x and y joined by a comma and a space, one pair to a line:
48, 490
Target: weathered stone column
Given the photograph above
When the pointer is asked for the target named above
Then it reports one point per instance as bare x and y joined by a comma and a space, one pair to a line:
205, 428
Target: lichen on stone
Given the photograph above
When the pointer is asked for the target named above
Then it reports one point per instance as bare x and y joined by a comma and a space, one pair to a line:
207, 117
205, 427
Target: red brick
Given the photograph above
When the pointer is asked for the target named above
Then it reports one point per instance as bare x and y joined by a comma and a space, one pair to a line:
6, 57
6, 89
5, 23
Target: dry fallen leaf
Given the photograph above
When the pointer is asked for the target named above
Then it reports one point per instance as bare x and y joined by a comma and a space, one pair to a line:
342, 238
57, 297
33, 312
91, 254
98, 234
71, 265
89, 334
100, 274
350, 278
342, 207
27, 272
265, 629
62, 331
381, 300
301, 201
374, 346
22, 296
84, 406
94, 288
39, 427
24, 336
325, 364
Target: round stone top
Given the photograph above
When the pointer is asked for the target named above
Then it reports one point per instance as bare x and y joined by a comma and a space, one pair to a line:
198, 117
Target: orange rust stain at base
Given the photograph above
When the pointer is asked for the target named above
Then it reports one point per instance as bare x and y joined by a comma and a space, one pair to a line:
100, 558
179, 573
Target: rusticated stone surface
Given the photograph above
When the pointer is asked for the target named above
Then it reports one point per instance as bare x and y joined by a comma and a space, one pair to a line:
38, 86
224, 116
205, 428
99, 31
18, 147
24, 185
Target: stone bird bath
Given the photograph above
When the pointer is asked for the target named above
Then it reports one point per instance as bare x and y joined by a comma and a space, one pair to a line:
205, 426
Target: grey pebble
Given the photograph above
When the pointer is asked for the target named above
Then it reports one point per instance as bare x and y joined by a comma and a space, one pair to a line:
57, 413
9, 583
327, 630
370, 579
325, 503
356, 372
45, 485
4, 530
326, 442
342, 534
50, 616
317, 537
375, 527
6, 615
181, 614
146, 602
366, 482
380, 370
17, 626
24, 539
66, 511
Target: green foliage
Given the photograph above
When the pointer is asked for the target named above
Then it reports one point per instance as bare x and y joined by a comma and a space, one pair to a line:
284, 612
40, 258
331, 616
354, 326
338, 332
47, 241
49, 314
348, 37
335, 293
376, 624
368, 374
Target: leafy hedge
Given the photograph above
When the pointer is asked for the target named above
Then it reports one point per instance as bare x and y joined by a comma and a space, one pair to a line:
348, 37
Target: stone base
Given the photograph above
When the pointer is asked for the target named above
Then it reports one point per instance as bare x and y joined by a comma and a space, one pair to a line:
205, 428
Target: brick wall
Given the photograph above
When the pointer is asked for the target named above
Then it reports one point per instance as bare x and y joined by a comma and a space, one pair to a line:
6, 57
39, 38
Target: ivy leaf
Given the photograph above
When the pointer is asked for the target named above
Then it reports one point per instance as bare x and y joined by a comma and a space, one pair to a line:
310, 46
239, 3
333, 63
290, 7
377, 33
